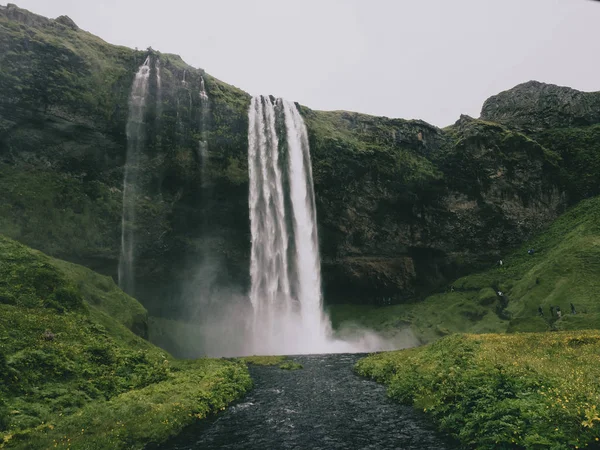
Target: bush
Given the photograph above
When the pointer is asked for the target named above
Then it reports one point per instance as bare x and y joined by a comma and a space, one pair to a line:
66, 297
291, 365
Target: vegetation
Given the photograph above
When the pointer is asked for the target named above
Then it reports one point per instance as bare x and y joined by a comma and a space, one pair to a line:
71, 375
564, 269
291, 365
264, 360
527, 390
579, 148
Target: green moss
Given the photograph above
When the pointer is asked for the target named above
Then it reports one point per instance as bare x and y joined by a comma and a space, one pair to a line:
291, 365
522, 391
345, 145
579, 148
194, 390
71, 374
58, 213
264, 360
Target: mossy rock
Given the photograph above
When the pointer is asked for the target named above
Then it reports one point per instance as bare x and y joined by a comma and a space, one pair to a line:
291, 365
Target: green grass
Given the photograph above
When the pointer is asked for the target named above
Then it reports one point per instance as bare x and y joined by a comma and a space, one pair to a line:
193, 391
520, 391
291, 365
73, 375
264, 360
564, 269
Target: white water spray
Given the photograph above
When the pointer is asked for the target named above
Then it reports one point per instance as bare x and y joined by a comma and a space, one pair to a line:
135, 146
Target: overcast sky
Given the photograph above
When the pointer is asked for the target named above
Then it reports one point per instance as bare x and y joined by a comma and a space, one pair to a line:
422, 59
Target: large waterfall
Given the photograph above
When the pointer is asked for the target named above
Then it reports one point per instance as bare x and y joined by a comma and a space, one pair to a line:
285, 265
135, 147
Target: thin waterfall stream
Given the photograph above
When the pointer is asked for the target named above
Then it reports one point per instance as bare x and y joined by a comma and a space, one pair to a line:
136, 137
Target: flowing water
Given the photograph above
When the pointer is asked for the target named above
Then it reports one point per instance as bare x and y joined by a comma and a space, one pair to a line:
135, 147
203, 94
322, 406
158, 89
203, 143
285, 267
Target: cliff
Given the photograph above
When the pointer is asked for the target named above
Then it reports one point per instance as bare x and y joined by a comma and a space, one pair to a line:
402, 206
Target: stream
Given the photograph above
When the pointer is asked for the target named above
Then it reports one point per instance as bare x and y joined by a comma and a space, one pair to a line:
322, 406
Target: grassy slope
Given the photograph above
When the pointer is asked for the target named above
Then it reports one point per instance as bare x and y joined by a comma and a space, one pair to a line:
527, 390
564, 269
72, 375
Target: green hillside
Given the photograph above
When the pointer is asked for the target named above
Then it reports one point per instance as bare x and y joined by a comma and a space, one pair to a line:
564, 269
72, 371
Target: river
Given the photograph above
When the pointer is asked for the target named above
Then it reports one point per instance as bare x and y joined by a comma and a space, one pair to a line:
322, 406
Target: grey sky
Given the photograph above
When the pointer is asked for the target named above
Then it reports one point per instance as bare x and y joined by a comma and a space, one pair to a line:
426, 59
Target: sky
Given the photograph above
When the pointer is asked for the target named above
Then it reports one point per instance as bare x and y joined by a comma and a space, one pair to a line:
413, 59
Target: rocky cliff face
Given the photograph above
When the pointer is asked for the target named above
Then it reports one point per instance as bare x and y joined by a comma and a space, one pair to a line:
402, 205
535, 106
563, 120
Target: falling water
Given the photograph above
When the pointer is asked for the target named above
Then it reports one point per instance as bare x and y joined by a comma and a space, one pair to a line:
135, 145
203, 94
285, 267
308, 262
203, 143
158, 89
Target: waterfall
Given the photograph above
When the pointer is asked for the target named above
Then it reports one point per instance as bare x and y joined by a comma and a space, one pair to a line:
285, 266
308, 262
203, 143
203, 94
158, 89
135, 146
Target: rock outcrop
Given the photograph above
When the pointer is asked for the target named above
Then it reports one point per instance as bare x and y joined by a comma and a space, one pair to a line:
535, 106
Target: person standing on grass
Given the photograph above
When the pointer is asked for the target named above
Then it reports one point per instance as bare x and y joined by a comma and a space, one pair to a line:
540, 311
558, 312
573, 309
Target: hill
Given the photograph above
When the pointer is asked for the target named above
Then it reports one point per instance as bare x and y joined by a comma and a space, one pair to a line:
72, 372
564, 269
